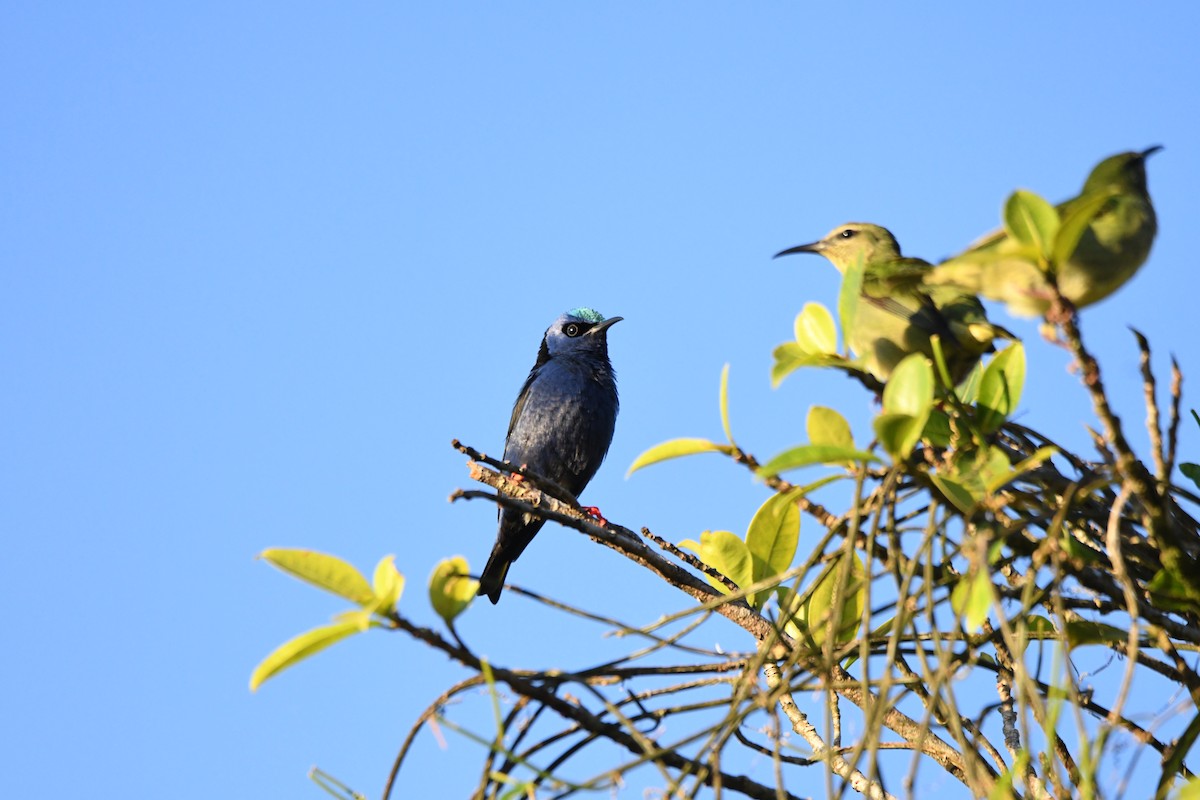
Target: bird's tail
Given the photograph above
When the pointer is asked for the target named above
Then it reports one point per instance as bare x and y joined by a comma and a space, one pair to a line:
491, 581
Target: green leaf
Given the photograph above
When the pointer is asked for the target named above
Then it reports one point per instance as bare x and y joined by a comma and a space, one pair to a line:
727, 554
898, 433
909, 390
518, 789
1076, 221
324, 571
990, 471
360, 618
971, 599
827, 427
968, 390
1170, 593
1002, 789
849, 296
809, 454
809, 621
1075, 548
388, 585
955, 492
301, 647
450, 590
971, 476
815, 330
1039, 625
790, 356
676, 448
880, 631
1081, 632
1032, 221
772, 537
1001, 386
1191, 471
907, 402
937, 429
1000, 478
724, 404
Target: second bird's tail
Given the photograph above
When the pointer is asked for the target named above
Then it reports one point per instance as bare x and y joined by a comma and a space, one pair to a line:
491, 581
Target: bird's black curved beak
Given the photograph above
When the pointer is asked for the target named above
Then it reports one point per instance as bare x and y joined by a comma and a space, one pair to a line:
1149, 151
811, 247
601, 327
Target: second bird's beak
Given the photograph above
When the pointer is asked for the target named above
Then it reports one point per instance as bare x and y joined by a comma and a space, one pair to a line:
1149, 151
811, 247
601, 327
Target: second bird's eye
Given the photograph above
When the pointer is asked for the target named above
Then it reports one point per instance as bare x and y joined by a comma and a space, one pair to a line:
848, 233
572, 330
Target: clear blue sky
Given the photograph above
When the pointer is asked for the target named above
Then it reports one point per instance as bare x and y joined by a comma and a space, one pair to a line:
261, 263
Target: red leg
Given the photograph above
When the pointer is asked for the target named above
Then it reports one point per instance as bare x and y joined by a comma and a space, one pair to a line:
595, 512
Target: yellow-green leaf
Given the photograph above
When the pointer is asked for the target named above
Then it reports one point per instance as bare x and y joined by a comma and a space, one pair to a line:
1001, 386
1170, 592
937, 429
1081, 632
1190, 790
361, 618
1000, 478
790, 356
958, 494
724, 404
1038, 628
809, 621
971, 599
388, 584
676, 448
450, 590
898, 433
815, 330
808, 454
772, 537
727, 554
878, 632
301, 647
971, 476
827, 427
909, 389
907, 402
324, 571
1002, 789
968, 390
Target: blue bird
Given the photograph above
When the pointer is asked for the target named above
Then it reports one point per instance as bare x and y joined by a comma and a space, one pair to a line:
561, 426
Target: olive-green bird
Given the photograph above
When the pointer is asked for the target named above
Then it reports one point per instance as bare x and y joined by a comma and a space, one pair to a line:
897, 315
1112, 248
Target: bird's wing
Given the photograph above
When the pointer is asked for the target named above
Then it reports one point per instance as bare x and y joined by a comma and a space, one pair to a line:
519, 406
542, 357
896, 287
927, 316
900, 277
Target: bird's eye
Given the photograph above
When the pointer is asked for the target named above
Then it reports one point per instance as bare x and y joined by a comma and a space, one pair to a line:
849, 233
571, 329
